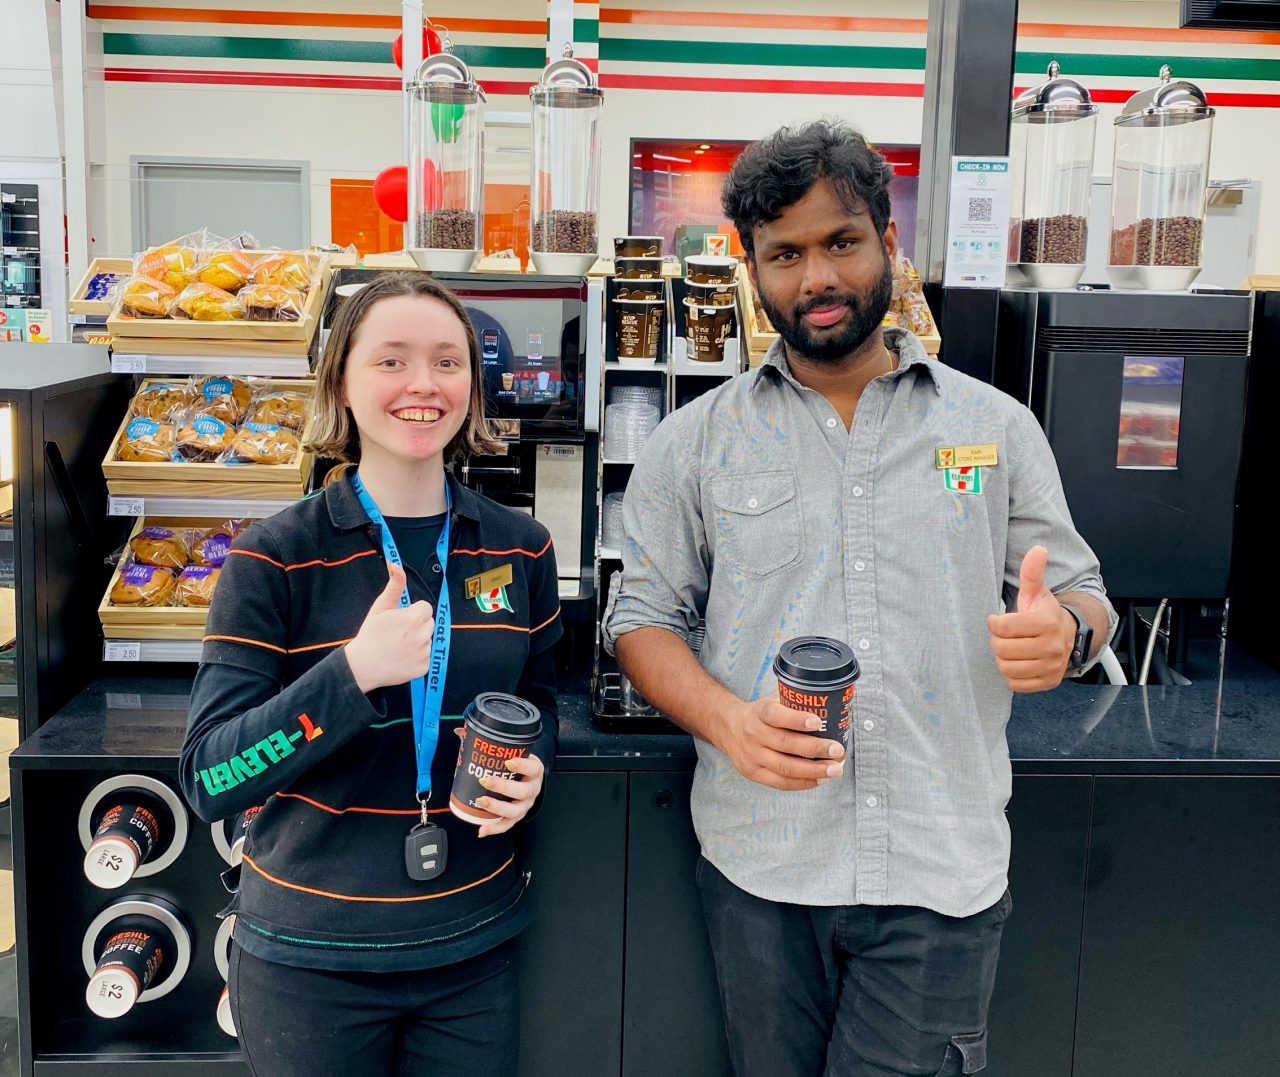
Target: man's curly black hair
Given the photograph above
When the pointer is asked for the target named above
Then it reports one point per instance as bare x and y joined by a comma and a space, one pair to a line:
777, 171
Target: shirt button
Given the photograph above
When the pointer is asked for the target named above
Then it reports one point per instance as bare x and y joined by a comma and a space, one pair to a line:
858, 566
868, 725
864, 643
753, 503
857, 491
872, 802
831, 424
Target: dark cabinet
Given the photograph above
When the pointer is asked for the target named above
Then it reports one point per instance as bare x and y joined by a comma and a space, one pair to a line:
671, 1018
1032, 1021
571, 956
1181, 941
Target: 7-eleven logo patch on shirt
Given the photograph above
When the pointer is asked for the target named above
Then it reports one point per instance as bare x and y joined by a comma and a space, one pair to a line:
963, 480
494, 600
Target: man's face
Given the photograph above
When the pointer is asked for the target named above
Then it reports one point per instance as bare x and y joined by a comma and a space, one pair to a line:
824, 277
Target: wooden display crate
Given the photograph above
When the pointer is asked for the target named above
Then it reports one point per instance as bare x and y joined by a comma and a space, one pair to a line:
97, 307
153, 622
186, 336
135, 478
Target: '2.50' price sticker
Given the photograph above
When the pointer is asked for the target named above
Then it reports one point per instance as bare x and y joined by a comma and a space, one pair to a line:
122, 651
128, 364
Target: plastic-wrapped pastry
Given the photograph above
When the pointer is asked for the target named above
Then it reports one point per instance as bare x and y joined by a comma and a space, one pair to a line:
196, 585
281, 408
159, 546
227, 270
224, 397
205, 303
174, 263
143, 585
145, 297
162, 399
291, 269
147, 440
210, 548
272, 302
203, 438
258, 443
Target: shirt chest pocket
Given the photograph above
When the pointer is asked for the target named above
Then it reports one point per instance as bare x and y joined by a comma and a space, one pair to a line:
757, 521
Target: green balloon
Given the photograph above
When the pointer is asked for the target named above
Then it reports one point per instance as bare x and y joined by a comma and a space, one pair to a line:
446, 121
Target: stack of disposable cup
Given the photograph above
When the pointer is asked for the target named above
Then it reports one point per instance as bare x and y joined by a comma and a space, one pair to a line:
626, 428
636, 394
611, 527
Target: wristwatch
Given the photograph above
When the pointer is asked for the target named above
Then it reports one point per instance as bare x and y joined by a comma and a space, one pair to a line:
1082, 644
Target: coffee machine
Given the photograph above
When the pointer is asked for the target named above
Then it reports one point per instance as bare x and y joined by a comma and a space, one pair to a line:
539, 349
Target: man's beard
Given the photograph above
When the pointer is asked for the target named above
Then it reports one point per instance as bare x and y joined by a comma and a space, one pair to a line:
866, 312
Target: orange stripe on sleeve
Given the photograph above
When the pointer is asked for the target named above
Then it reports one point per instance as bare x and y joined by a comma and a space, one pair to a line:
259, 556
363, 811
380, 900
544, 624
250, 642
318, 646
304, 564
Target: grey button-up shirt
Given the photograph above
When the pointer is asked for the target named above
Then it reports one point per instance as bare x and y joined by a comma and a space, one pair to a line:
755, 508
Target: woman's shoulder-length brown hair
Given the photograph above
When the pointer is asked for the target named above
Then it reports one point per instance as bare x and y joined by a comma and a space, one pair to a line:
330, 430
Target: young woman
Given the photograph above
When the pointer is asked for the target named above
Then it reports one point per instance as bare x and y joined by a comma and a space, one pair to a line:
313, 699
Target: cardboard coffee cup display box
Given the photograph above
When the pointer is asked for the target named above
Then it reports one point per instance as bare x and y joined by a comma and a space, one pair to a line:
166, 577
212, 436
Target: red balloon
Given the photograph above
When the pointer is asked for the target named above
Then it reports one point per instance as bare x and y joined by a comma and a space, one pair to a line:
431, 44
391, 192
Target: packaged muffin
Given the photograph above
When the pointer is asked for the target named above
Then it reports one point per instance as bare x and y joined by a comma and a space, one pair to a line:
160, 546
196, 584
227, 270
203, 438
143, 585
210, 548
284, 407
205, 303
292, 269
260, 443
161, 400
224, 397
272, 302
145, 297
147, 440
174, 263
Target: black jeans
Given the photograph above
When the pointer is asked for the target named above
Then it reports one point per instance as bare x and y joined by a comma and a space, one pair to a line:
458, 1019
850, 990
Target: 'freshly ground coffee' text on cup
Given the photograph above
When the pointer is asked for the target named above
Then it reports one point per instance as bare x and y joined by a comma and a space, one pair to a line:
497, 727
819, 675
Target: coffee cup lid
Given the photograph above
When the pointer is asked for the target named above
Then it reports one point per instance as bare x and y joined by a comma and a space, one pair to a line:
652, 302
816, 658
112, 991
504, 715
101, 854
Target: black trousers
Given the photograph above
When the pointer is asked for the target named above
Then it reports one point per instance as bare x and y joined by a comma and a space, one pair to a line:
458, 1019
851, 990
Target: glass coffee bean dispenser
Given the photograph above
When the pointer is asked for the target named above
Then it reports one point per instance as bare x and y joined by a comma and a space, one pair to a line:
446, 173
565, 181
1161, 175
1051, 141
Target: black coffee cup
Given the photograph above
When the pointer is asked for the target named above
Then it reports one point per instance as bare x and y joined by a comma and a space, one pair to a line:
126, 836
819, 675
127, 966
498, 727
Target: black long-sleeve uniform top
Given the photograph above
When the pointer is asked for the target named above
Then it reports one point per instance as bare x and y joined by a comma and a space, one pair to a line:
277, 720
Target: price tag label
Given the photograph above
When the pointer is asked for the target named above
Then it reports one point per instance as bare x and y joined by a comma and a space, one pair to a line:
115, 650
124, 701
125, 506
128, 364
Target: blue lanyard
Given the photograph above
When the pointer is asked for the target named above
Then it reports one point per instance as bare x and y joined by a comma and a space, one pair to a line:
425, 693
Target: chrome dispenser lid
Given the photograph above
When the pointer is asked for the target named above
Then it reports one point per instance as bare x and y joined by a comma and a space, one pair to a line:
566, 83
1058, 100
444, 78
1166, 103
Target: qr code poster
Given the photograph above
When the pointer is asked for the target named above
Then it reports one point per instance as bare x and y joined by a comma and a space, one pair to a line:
978, 222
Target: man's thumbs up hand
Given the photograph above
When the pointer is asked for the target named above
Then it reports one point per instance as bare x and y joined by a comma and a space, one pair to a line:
1033, 645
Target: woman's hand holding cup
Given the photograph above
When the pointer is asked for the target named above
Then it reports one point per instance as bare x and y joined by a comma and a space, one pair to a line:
394, 642
521, 789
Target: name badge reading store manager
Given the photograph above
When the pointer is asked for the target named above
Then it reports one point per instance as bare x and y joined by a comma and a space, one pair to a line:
964, 456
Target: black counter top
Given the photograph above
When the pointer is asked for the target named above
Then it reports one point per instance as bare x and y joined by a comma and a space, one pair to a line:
124, 722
